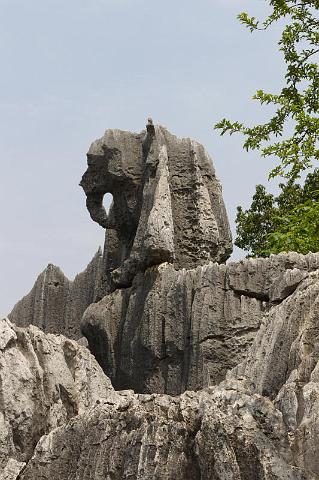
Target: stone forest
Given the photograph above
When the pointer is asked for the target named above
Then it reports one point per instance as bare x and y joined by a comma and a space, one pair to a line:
162, 360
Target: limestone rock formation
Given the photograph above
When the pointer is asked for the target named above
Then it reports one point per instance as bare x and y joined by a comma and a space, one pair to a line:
260, 423
177, 330
45, 380
55, 304
167, 203
283, 364
169, 319
216, 366
216, 434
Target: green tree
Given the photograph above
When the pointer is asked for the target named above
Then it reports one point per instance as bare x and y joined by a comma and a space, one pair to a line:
254, 225
298, 231
297, 104
287, 222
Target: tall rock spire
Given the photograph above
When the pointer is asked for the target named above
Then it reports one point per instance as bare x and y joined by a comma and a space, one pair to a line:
167, 207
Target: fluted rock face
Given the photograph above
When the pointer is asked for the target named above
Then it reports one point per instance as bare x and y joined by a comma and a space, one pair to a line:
271, 279
169, 319
167, 207
175, 330
172, 330
283, 364
261, 423
55, 304
45, 380
223, 358
287, 336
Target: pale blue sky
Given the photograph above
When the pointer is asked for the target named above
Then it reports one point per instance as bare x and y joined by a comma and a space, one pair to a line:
71, 69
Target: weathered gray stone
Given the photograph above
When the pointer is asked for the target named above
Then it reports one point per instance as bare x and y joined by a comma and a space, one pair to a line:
218, 434
223, 432
167, 206
11, 470
44, 381
288, 335
56, 304
172, 330
175, 330
168, 320
283, 364
264, 278
285, 284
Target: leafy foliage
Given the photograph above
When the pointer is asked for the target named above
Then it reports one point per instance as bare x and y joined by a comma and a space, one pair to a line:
288, 222
297, 232
297, 104
253, 225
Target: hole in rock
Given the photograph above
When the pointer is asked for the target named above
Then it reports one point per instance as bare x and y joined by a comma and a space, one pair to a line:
107, 201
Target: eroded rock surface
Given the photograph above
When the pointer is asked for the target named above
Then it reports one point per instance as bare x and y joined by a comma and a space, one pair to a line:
172, 330
177, 330
216, 434
236, 346
170, 319
167, 207
55, 304
283, 364
260, 423
45, 380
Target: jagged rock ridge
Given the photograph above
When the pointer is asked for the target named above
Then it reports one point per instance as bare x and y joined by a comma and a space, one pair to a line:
221, 432
177, 330
167, 316
55, 304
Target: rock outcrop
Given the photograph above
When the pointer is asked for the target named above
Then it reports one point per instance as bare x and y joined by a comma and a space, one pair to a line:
260, 423
55, 304
45, 380
283, 365
167, 203
216, 366
169, 319
216, 434
177, 330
